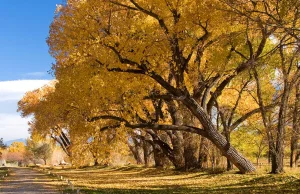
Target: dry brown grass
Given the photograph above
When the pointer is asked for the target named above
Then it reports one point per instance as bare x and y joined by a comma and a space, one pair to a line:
133, 179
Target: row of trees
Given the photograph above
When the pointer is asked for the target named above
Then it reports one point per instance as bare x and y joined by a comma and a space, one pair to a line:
173, 78
27, 154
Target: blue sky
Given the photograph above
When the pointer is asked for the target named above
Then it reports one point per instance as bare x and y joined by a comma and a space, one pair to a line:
24, 58
24, 29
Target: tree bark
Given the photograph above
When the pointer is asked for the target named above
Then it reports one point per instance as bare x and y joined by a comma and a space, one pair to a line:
191, 141
159, 156
176, 137
244, 165
278, 153
136, 151
203, 153
147, 153
229, 164
178, 150
296, 128
277, 162
191, 151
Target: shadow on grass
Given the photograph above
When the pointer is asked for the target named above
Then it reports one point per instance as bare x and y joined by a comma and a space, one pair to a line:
181, 190
216, 182
3, 171
266, 184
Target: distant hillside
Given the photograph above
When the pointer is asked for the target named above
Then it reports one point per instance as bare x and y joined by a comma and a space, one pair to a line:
8, 143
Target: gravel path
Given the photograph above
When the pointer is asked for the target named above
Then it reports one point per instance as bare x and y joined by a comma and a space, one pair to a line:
28, 181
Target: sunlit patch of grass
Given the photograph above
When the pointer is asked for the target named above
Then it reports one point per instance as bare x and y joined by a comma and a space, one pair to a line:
150, 180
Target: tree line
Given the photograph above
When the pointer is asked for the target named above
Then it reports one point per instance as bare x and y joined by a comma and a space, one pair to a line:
174, 80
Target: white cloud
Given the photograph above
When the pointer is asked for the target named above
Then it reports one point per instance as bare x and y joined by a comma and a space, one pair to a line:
36, 74
12, 126
14, 90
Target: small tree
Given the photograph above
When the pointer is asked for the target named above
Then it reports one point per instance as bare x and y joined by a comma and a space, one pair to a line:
44, 152
38, 150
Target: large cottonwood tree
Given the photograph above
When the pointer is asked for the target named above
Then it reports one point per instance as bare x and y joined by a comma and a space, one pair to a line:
192, 49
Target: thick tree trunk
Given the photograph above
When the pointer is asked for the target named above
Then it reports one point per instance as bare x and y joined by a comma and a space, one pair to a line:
269, 153
191, 141
191, 150
147, 153
161, 144
277, 163
278, 155
176, 137
178, 150
161, 150
203, 153
229, 164
244, 165
293, 151
136, 151
159, 157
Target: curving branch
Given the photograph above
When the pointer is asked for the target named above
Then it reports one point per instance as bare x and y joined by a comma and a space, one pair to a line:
249, 114
152, 126
152, 14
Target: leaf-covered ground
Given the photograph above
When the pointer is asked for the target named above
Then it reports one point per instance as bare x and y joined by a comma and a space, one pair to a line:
154, 181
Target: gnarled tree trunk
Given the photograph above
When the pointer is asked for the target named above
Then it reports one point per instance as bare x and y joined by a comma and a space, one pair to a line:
244, 165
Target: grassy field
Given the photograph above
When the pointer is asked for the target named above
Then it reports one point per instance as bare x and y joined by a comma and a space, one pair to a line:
138, 180
3, 171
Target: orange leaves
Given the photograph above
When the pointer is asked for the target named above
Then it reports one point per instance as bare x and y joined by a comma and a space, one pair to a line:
30, 102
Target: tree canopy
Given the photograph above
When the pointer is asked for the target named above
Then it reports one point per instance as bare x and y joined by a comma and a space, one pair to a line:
165, 72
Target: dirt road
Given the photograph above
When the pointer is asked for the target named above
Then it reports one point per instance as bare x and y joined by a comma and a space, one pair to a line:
28, 181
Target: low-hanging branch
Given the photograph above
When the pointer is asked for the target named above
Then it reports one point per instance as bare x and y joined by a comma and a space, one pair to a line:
153, 126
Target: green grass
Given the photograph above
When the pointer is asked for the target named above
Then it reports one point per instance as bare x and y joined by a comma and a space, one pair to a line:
138, 180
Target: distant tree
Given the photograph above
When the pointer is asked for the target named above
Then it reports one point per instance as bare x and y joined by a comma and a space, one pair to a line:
44, 152
16, 152
2, 145
17, 147
37, 149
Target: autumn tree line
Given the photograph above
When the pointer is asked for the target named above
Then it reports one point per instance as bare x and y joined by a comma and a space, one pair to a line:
31, 152
181, 81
